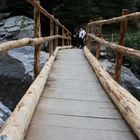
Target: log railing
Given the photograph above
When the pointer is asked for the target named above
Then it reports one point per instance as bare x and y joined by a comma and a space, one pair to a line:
120, 48
38, 40
37, 10
16, 126
124, 101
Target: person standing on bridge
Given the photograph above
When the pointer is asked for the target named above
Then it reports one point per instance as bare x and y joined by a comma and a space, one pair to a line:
82, 35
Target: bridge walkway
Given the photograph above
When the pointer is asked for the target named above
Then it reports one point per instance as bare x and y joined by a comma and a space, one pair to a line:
74, 106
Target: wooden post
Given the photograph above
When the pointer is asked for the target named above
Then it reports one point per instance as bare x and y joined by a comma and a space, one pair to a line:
70, 41
37, 33
119, 56
67, 34
112, 37
89, 30
56, 33
99, 44
63, 33
51, 34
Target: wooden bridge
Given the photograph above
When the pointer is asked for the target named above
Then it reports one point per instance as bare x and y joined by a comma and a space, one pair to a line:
73, 97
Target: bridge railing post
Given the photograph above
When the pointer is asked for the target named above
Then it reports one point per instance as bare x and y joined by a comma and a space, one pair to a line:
67, 35
98, 43
51, 34
63, 34
56, 33
37, 34
89, 30
70, 41
119, 56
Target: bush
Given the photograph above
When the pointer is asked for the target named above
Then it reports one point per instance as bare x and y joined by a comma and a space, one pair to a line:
133, 41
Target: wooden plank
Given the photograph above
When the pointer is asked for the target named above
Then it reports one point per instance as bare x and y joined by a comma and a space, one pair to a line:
42, 132
69, 110
77, 108
77, 94
75, 122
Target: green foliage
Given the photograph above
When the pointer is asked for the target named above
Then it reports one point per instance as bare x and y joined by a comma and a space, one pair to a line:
133, 41
77, 12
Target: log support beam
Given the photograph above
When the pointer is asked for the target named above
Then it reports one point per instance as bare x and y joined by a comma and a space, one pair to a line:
63, 34
98, 43
119, 56
51, 34
37, 33
56, 33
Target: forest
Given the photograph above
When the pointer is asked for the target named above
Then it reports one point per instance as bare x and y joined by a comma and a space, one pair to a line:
74, 13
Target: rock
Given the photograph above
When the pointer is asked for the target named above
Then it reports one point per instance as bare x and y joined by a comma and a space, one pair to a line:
27, 58
4, 15
4, 114
13, 80
16, 28
3, 32
128, 79
16, 65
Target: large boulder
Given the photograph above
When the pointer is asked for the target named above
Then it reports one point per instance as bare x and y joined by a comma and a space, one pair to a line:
5, 112
16, 28
16, 65
128, 79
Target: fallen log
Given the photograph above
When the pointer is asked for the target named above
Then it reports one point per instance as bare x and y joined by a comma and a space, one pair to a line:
125, 102
16, 126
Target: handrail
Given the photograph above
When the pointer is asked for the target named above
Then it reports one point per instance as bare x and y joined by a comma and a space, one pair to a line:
120, 49
125, 102
46, 13
124, 50
135, 15
27, 41
65, 32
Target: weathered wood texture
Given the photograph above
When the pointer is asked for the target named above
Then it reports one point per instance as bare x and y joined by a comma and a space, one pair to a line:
37, 33
74, 106
89, 30
16, 126
27, 41
125, 102
98, 43
119, 56
56, 33
51, 45
135, 15
46, 13
119, 48
63, 34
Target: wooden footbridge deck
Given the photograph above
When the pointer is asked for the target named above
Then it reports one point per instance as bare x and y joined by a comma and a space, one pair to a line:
74, 106
73, 97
